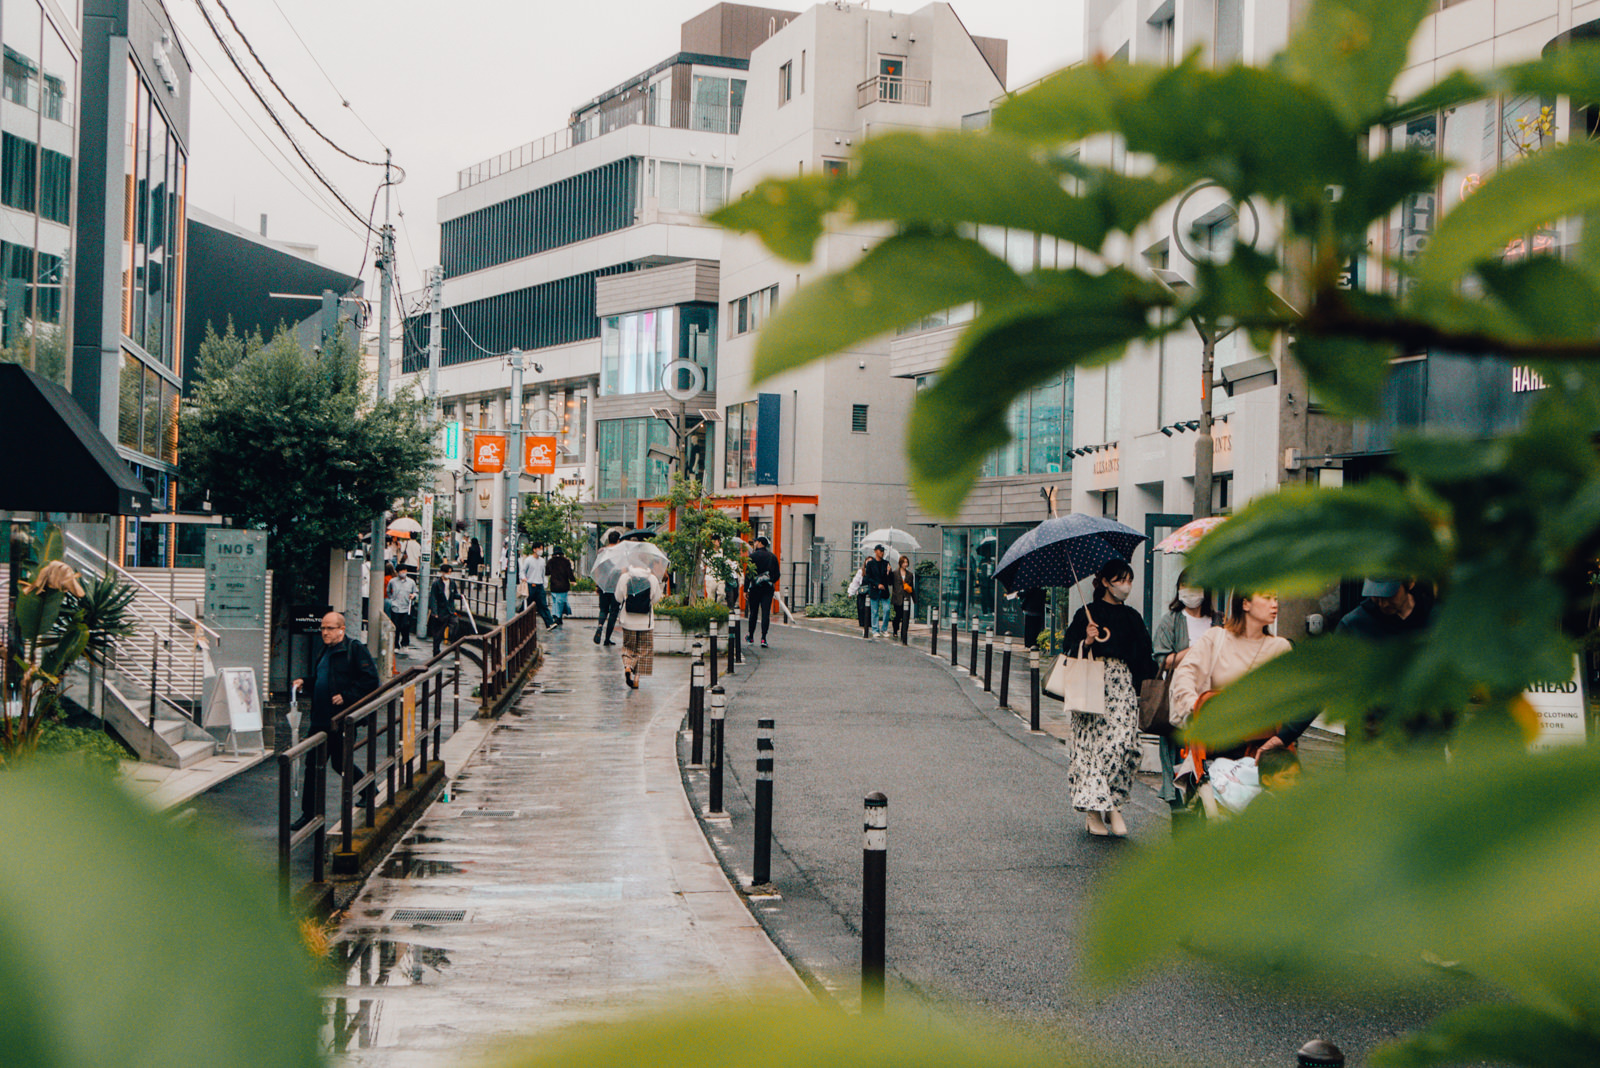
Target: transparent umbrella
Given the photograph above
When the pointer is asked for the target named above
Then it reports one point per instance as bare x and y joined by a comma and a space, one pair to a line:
893, 539
614, 560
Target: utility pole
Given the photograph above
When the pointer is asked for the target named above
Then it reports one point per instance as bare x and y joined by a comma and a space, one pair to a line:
513, 474
379, 525
435, 347
1205, 444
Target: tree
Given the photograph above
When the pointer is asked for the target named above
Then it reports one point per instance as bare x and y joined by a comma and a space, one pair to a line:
553, 519
689, 545
1408, 858
292, 443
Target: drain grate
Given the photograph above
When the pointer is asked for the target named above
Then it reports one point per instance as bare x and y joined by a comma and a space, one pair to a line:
491, 813
428, 915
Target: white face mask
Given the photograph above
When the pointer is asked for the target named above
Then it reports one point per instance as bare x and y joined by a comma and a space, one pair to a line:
1120, 590
1191, 598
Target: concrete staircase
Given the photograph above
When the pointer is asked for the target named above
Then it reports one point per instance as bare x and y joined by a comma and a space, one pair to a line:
172, 740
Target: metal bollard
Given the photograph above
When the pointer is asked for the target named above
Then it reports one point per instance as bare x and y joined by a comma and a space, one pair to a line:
955, 643
697, 707
988, 661
1033, 689
719, 702
1319, 1053
972, 664
712, 680
735, 639
874, 879
761, 868
933, 643
1005, 674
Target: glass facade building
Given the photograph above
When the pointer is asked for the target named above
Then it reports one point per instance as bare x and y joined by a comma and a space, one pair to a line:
635, 348
627, 468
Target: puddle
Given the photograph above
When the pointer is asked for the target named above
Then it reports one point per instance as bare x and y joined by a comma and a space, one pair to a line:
404, 864
421, 839
373, 962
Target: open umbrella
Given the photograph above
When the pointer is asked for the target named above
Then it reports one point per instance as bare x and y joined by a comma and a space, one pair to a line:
405, 527
893, 539
614, 560
1184, 538
1063, 550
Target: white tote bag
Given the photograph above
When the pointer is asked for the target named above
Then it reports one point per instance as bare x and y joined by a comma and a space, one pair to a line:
1080, 682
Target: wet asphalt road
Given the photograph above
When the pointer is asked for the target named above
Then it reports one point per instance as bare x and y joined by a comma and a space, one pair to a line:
988, 865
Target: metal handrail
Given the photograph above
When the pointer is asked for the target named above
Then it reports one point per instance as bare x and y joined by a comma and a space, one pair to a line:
145, 586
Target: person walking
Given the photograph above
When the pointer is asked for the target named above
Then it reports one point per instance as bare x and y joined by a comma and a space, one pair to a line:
400, 602
444, 602
858, 590
609, 607
343, 674
877, 579
533, 573
636, 593
760, 583
1105, 748
558, 578
1188, 617
474, 561
1222, 656
903, 596
1033, 604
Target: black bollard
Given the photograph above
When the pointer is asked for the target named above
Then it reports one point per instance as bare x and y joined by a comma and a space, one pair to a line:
874, 878
761, 868
719, 702
697, 708
1033, 690
1005, 674
972, 663
735, 640
955, 644
712, 679
988, 662
1319, 1054
933, 643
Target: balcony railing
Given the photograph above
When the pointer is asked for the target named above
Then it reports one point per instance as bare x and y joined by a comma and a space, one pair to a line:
892, 90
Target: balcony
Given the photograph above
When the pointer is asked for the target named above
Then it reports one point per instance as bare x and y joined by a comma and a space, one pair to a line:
892, 90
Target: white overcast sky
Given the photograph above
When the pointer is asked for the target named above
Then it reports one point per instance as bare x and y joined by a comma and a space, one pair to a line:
444, 85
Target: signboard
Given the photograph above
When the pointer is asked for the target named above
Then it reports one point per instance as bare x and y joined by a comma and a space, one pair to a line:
408, 722
1561, 708
769, 413
236, 701
450, 443
489, 453
236, 578
539, 455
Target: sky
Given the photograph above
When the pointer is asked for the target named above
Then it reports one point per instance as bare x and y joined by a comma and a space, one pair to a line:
441, 86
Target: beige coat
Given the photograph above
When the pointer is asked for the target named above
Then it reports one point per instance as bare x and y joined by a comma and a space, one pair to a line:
1219, 659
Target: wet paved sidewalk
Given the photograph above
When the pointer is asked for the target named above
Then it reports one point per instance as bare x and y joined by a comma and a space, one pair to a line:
565, 880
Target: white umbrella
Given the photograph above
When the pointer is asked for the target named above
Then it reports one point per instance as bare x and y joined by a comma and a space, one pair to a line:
893, 539
405, 525
615, 559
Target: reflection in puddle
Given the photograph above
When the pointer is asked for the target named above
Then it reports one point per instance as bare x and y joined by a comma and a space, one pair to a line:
368, 961
404, 864
421, 839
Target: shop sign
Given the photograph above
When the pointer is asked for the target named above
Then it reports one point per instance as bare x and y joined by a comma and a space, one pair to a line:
1561, 708
1525, 380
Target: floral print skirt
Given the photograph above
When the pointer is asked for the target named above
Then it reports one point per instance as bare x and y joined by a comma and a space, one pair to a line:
1105, 749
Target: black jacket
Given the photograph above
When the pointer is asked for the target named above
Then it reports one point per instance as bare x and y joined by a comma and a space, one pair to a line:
440, 605
558, 574
1129, 641
878, 578
351, 674
762, 562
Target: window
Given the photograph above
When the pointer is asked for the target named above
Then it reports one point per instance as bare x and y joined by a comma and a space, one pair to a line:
746, 314
627, 467
785, 82
678, 186
858, 532
739, 444
802, 71
891, 77
715, 104
1040, 422
858, 419
634, 350
835, 168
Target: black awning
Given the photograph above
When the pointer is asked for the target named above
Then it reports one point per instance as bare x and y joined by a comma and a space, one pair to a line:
54, 458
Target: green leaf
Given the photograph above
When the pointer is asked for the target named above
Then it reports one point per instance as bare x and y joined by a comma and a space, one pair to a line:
1556, 182
1074, 103
1068, 317
1348, 373
1381, 184
92, 975
1552, 299
1508, 1034
1239, 292
1304, 538
787, 214
1369, 872
1351, 51
1457, 87
899, 282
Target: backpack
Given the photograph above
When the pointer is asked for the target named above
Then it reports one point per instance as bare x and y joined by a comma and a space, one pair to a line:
638, 599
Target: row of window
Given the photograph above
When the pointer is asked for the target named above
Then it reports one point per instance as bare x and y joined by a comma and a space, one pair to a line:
154, 182
574, 209
635, 456
689, 188
636, 348
34, 179
746, 314
147, 410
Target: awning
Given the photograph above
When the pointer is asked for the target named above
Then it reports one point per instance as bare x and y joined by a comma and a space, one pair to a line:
55, 458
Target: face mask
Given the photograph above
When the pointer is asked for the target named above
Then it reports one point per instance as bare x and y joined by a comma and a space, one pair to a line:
1120, 590
1191, 598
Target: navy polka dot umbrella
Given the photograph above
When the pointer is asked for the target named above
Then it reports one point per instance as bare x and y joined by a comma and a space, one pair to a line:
1063, 550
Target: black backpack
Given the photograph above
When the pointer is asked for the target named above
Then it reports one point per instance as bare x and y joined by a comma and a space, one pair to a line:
638, 599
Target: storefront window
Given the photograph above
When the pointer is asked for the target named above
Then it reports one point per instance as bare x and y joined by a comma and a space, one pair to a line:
627, 468
634, 350
970, 593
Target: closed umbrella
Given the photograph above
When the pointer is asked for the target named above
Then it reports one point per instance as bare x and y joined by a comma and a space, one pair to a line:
614, 560
1063, 550
893, 539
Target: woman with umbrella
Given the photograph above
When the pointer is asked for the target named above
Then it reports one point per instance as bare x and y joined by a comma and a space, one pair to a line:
1105, 749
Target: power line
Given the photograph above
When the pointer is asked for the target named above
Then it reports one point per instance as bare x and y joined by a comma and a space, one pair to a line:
325, 75
273, 115
292, 105
469, 337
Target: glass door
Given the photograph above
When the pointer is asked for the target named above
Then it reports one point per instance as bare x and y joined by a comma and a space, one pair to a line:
1161, 570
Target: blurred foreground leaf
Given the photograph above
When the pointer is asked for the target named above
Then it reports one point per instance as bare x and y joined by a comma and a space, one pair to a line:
124, 942
1511, 1034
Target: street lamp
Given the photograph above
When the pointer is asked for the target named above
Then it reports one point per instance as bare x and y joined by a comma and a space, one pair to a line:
1204, 445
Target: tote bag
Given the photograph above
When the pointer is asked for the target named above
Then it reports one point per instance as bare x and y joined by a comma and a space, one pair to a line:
1080, 683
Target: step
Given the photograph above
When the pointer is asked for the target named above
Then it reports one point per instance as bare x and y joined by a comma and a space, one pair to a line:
192, 752
173, 730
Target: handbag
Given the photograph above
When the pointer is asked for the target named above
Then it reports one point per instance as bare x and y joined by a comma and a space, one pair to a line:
1080, 683
1155, 704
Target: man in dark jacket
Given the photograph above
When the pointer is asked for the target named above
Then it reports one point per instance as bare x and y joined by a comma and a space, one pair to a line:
558, 576
760, 582
610, 607
1391, 607
876, 582
444, 601
343, 674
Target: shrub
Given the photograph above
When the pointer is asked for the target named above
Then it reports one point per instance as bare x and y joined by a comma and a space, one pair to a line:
584, 585
696, 615
100, 751
840, 606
